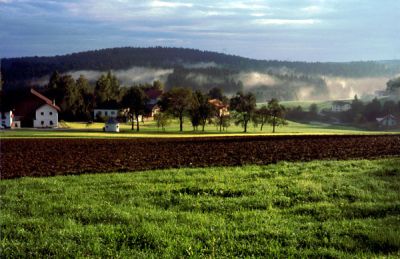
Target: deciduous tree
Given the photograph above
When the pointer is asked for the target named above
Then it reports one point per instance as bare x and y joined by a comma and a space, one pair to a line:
261, 117
177, 102
244, 105
201, 109
277, 114
107, 89
135, 99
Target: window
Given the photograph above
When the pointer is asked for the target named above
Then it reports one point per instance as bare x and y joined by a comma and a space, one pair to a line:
51, 122
50, 113
112, 113
105, 113
42, 122
42, 113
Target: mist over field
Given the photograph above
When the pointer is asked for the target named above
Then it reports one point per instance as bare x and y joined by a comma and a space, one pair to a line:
336, 87
129, 76
345, 88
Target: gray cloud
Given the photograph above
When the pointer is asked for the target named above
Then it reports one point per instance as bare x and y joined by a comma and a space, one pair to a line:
312, 30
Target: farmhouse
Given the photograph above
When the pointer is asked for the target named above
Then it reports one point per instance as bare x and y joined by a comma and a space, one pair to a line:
222, 108
36, 110
6, 119
106, 110
112, 125
387, 121
340, 106
154, 95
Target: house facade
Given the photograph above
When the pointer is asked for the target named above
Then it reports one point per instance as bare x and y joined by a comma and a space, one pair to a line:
340, 106
6, 119
35, 110
109, 113
387, 121
46, 116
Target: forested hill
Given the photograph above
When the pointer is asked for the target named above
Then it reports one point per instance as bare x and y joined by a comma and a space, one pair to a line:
19, 70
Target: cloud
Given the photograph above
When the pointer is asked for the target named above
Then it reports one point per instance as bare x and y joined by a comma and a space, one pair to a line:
312, 9
162, 4
315, 30
285, 22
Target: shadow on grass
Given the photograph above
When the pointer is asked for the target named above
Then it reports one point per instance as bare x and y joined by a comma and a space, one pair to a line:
389, 170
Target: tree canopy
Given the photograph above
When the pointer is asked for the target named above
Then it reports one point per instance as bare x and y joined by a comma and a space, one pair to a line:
244, 105
136, 101
177, 102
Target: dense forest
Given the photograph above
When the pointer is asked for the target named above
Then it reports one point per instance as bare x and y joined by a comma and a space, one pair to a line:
17, 70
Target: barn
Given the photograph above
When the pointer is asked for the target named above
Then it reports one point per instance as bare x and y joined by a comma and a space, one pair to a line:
36, 110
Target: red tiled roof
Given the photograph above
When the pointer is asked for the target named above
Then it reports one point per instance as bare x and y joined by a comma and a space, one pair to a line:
218, 103
153, 93
45, 99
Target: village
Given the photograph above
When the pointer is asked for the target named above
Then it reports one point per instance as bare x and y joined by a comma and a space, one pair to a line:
37, 111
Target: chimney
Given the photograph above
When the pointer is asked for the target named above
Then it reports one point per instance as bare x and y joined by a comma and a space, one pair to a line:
54, 101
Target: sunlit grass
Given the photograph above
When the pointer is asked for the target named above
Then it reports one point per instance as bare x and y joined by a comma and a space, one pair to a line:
334, 209
149, 129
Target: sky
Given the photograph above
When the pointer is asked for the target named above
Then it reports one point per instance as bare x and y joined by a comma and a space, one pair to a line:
296, 30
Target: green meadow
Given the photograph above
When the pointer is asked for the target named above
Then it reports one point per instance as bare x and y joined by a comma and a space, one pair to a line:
149, 129
332, 209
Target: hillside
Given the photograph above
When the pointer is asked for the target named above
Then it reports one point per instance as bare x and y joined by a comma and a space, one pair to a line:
199, 70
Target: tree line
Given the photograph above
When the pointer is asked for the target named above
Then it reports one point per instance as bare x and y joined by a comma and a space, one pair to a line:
18, 72
77, 99
183, 103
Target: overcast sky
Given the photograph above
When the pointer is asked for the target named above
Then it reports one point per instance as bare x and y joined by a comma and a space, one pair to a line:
304, 30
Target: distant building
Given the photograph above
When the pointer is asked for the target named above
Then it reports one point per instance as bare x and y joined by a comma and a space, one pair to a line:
102, 112
340, 106
112, 125
152, 108
6, 119
222, 108
387, 121
36, 110
106, 110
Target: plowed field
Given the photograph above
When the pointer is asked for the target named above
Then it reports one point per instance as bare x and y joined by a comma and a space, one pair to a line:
48, 157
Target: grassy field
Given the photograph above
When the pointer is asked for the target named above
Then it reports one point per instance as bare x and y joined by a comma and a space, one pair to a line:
304, 104
315, 209
149, 129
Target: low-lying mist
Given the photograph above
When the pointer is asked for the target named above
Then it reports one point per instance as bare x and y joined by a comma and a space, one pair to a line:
346, 88
126, 77
336, 87
281, 83
129, 76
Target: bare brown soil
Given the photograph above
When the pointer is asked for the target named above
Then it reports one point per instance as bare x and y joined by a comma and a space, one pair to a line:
48, 157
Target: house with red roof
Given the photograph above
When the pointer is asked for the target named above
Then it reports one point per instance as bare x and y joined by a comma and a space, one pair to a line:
223, 109
36, 110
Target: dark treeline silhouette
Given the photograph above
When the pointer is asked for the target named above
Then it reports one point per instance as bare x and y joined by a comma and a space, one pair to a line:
18, 72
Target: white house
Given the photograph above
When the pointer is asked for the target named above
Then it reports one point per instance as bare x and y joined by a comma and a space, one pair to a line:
387, 121
35, 110
46, 116
112, 125
110, 113
340, 106
6, 120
